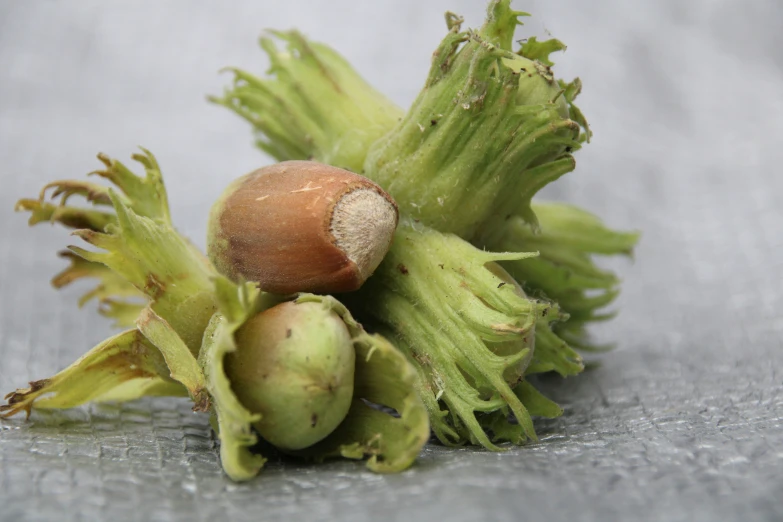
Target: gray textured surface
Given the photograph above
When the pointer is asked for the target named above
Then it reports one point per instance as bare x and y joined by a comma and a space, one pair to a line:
682, 422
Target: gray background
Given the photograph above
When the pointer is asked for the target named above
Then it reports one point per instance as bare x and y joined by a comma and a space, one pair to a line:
681, 422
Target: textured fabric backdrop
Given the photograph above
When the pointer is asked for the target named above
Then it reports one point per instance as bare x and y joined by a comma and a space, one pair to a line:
681, 422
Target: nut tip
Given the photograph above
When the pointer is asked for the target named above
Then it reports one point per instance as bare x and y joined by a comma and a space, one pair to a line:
363, 224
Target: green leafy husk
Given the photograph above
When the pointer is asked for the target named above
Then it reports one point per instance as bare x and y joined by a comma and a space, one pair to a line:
230, 419
142, 257
117, 298
122, 368
565, 270
465, 324
488, 130
157, 261
149, 276
314, 107
382, 377
187, 327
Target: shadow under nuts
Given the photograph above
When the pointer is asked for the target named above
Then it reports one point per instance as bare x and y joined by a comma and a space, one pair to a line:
301, 226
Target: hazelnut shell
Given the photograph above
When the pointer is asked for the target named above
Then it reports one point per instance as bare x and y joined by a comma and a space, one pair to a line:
301, 226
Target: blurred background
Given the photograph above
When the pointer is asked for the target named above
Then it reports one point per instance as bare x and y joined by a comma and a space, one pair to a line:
681, 422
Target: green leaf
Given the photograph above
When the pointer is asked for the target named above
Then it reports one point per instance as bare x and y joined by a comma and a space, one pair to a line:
579, 229
450, 309
535, 402
183, 365
79, 218
505, 429
122, 368
146, 257
477, 141
92, 192
540, 51
145, 196
567, 239
123, 313
158, 261
554, 354
501, 23
314, 106
117, 298
384, 377
233, 421
570, 91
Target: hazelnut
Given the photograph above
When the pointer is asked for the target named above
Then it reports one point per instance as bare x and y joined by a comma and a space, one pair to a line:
294, 364
301, 226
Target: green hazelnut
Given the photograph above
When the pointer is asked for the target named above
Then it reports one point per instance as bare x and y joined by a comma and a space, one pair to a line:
294, 365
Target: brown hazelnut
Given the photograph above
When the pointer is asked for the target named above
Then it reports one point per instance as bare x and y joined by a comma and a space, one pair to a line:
301, 226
